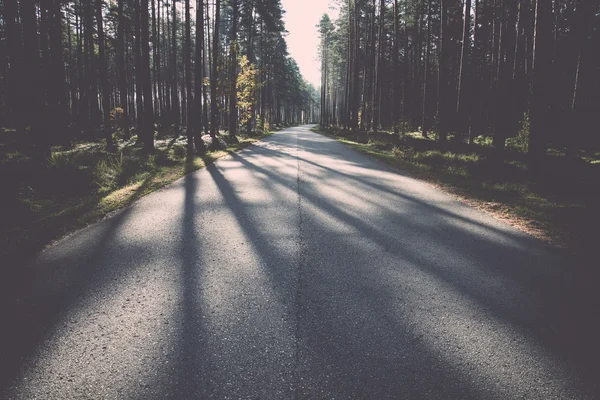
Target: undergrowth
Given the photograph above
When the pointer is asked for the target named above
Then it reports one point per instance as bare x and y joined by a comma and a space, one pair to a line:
81, 183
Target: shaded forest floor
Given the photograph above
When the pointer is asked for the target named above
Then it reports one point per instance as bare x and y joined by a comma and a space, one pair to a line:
560, 208
81, 184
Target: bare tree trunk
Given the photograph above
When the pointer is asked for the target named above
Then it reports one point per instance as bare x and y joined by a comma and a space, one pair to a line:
370, 78
424, 124
16, 69
348, 77
461, 107
403, 111
540, 84
416, 81
233, 110
183, 108
499, 87
580, 35
122, 69
104, 78
139, 96
477, 81
155, 61
322, 123
33, 96
176, 115
199, 78
166, 62
88, 75
187, 50
250, 54
395, 67
148, 119
60, 107
378, 70
72, 75
83, 110
214, 107
443, 80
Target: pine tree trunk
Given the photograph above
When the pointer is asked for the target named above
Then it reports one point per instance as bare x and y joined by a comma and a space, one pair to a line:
148, 118
199, 77
444, 76
580, 35
155, 58
214, 79
539, 107
104, 78
58, 87
500, 87
184, 106
462, 108
395, 67
370, 78
404, 104
175, 109
33, 98
139, 97
477, 81
14, 74
88, 46
250, 54
122, 69
72, 75
233, 110
322, 124
187, 52
424, 124
416, 81
206, 57
379, 71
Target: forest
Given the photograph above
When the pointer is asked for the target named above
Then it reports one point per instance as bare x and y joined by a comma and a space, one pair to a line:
498, 99
466, 68
103, 101
76, 68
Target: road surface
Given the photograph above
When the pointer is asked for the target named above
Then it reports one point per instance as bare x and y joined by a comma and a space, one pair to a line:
299, 268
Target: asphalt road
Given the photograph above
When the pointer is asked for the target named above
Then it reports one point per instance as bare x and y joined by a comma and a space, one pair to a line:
300, 268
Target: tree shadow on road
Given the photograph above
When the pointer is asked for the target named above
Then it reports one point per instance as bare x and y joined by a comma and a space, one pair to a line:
56, 285
410, 300
498, 270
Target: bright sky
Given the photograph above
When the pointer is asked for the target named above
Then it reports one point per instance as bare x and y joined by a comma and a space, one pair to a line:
301, 20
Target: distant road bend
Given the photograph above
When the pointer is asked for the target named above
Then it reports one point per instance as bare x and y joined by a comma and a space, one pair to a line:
300, 268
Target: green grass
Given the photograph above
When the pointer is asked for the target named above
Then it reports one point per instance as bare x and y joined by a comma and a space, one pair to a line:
80, 184
559, 208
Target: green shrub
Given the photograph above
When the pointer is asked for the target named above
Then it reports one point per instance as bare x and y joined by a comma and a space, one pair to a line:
397, 151
14, 157
485, 141
109, 173
116, 115
521, 140
62, 160
431, 157
179, 152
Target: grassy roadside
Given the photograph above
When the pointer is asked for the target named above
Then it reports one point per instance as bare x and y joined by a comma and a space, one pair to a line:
82, 184
560, 209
